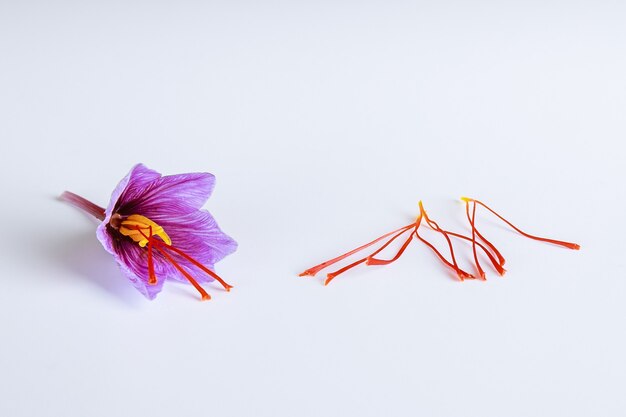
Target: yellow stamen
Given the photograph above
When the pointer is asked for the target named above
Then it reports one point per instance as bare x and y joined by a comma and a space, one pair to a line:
133, 226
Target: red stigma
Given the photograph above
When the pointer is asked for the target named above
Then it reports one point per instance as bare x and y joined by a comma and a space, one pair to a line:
166, 251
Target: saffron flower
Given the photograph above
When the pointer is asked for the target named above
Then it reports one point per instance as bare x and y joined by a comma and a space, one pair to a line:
156, 230
477, 240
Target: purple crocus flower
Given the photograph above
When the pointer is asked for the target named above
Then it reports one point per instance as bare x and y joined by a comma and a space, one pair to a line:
155, 229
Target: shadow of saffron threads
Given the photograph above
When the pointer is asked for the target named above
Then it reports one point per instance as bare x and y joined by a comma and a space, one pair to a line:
568, 245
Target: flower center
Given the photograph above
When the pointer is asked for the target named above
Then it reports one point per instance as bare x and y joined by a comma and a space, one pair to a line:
140, 229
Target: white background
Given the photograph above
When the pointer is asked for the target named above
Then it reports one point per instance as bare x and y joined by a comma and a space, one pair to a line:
325, 123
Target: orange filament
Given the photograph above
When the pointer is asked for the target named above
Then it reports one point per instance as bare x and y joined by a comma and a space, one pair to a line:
569, 245
162, 247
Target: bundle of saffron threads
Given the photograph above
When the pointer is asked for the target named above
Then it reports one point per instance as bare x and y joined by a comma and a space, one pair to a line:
411, 231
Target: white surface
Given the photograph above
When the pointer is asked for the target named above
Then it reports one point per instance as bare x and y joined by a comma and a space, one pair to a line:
324, 124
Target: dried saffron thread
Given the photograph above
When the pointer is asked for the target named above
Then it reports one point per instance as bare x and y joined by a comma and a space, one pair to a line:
489, 255
371, 260
314, 270
332, 275
460, 273
376, 261
475, 232
569, 245
501, 260
491, 246
472, 223
488, 248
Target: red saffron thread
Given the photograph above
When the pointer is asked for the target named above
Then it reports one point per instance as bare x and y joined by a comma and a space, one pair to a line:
472, 220
489, 255
203, 293
568, 245
332, 275
461, 274
152, 280
161, 247
375, 261
488, 248
317, 268
433, 225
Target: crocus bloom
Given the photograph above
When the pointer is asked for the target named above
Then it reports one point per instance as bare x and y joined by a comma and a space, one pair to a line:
487, 248
156, 230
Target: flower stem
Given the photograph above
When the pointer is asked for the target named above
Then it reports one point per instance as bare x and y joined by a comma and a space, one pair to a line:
83, 204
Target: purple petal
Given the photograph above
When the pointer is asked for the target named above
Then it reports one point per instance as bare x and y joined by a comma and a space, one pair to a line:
163, 196
140, 178
199, 236
131, 185
124, 253
133, 261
